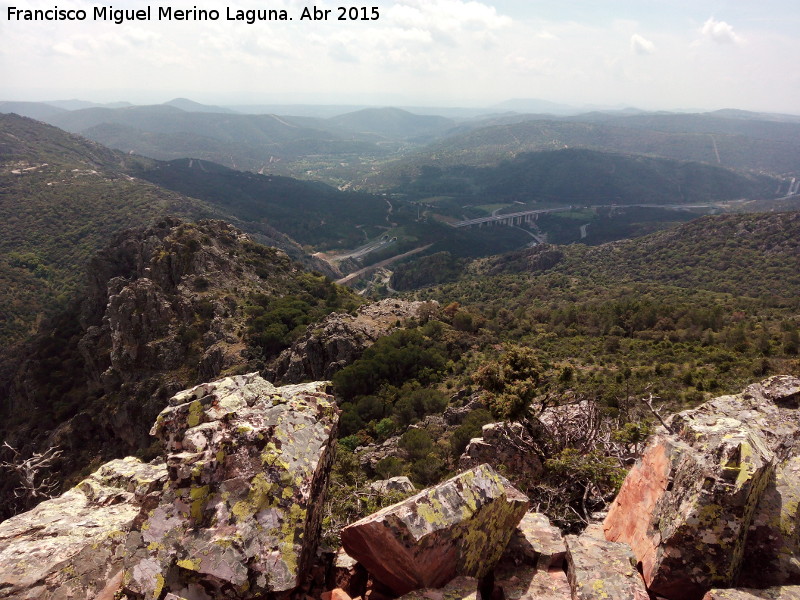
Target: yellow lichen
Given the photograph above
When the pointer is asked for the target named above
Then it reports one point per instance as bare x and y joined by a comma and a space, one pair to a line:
189, 564
159, 585
195, 414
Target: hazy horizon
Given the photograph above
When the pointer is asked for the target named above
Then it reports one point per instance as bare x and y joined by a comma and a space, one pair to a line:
683, 56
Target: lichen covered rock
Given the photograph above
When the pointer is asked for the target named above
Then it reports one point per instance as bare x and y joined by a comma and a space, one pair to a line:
72, 546
248, 466
459, 527
599, 570
687, 507
772, 551
791, 592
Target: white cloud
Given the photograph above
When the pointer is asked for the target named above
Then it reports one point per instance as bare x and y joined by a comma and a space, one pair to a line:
529, 64
640, 45
546, 35
720, 32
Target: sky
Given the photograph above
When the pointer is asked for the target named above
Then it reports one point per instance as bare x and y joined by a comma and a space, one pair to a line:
651, 54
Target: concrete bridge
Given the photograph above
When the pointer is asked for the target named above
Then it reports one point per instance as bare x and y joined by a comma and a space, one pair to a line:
517, 218
529, 216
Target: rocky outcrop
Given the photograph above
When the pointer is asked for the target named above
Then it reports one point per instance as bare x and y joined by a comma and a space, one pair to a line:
165, 308
73, 546
507, 444
455, 415
772, 552
400, 484
248, 468
459, 527
531, 567
235, 510
722, 474
340, 339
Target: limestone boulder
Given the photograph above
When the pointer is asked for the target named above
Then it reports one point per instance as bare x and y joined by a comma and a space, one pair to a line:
399, 484
687, 507
772, 551
73, 546
248, 466
459, 527
598, 569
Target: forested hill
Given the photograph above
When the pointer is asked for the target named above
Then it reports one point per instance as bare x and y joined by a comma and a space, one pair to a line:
588, 177
62, 197
745, 255
743, 148
310, 212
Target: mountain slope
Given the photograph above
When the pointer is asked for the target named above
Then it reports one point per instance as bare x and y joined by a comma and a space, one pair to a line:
753, 255
61, 199
708, 123
756, 255
192, 106
33, 110
166, 307
392, 123
311, 213
487, 146
248, 142
587, 177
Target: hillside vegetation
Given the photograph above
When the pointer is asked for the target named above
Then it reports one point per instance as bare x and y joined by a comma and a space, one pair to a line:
63, 197
665, 317
582, 177
310, 212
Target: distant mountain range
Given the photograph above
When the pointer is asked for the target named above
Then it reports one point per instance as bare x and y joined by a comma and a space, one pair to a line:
62, 197
751, 146
367, 147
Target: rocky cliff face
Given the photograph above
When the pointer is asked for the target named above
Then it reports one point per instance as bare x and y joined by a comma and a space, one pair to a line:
165, 308
340, 339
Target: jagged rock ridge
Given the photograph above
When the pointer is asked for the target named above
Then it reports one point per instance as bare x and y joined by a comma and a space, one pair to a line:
166, 307
234, 512
340, 339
